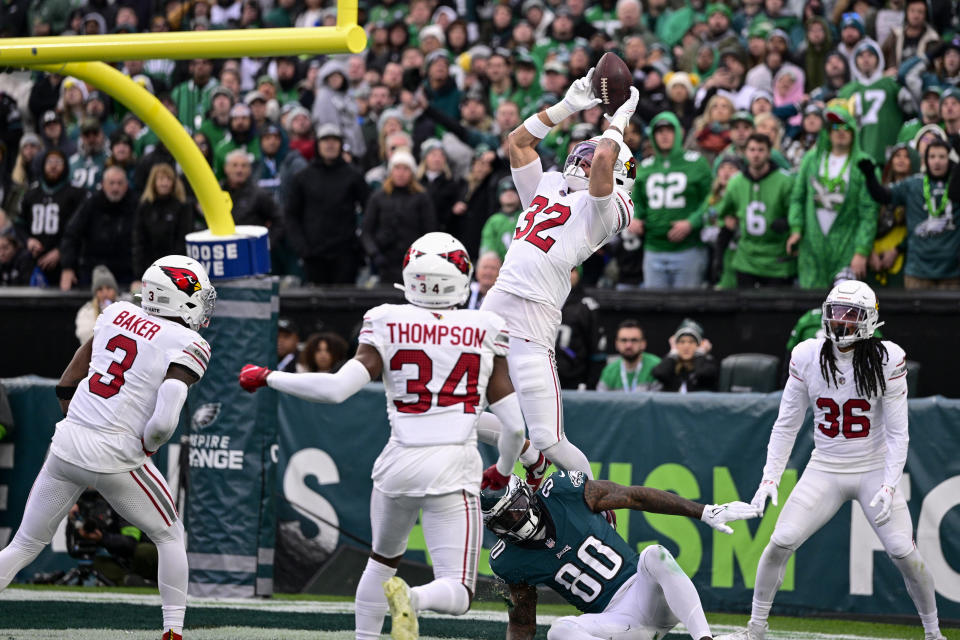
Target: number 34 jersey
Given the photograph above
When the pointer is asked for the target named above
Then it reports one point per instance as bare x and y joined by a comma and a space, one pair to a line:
436, 366
556, 233
582, 557
132, 351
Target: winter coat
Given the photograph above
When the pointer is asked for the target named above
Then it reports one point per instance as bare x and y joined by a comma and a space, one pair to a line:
159, 228
253, 205
321, 210
391, 223
97, 234
444, 193
701, 377
336, 107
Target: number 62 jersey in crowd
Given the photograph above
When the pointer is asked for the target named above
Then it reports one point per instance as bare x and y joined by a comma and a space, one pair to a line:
436, 366
132, 351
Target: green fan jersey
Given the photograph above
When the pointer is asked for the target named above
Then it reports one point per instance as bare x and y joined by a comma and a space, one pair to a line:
761, 208
497, 233
670, 187
582, 558
878, 114
86, 171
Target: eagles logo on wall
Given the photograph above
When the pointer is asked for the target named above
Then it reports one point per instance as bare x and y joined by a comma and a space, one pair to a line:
184, 279
205, 415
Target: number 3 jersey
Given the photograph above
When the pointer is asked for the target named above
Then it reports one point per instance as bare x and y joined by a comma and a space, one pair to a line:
852, 433
436, 366
582, 557
132, 351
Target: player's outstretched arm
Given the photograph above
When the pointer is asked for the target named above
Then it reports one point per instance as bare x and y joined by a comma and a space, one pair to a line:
522, 623
505, 405
74, 373
603, 495
331, 388
166, 413
523, 140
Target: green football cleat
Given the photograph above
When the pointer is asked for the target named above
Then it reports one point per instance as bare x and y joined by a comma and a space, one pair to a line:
404, 619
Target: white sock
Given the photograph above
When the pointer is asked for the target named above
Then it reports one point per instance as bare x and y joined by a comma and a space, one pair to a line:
531, 455
443, 595
770, 572
678, 590
371, 602
568, 457
21, 551
919, 584
172, 577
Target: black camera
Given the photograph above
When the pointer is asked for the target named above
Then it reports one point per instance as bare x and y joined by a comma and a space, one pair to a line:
93, 514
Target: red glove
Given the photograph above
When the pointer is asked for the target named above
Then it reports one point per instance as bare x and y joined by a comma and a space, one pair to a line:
536, 471
252, 377
493, 479
146, 451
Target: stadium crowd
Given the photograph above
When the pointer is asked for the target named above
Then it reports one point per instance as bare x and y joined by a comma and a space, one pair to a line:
779, 142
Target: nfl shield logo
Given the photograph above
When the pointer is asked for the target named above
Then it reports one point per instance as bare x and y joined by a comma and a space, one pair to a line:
550, 543
843, 380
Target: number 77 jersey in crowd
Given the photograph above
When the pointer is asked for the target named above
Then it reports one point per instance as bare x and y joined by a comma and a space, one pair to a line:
557, 232
132, 351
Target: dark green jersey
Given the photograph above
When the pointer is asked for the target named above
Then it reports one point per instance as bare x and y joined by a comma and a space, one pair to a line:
582, 558
878, 114
761, 207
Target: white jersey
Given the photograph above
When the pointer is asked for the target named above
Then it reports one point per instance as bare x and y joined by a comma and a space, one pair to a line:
132, 351
556, 233
436, 366
852, 434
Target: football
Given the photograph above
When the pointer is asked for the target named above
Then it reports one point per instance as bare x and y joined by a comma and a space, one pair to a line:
611, 82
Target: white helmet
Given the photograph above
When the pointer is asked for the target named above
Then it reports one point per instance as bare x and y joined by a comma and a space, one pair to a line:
624, 169
850, 313
436, 272
178, 287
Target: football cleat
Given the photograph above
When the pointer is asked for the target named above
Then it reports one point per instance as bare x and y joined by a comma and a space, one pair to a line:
403, 624
751, 632
170, 635
536, 472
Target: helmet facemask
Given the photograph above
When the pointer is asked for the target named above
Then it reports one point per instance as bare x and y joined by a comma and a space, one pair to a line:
517, 516
850, 313
577, 165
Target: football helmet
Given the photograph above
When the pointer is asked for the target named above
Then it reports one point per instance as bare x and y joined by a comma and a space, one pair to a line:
178, 287
514, 512
850, 313
436, 272
581, 156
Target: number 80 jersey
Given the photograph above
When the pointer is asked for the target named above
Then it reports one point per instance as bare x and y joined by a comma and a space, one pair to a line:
582, 558
436, 365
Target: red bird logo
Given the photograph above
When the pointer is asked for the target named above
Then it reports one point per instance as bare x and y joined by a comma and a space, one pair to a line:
184, 279
411, 254
459, 259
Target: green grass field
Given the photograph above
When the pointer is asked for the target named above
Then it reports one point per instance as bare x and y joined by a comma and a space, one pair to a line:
35, 613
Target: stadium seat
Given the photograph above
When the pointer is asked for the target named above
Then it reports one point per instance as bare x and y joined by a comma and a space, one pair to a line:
913, 377
746, 372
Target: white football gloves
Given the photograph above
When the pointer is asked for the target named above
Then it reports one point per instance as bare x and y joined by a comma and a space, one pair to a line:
621, 117
579, 97
767, 489
716, 515
883, 497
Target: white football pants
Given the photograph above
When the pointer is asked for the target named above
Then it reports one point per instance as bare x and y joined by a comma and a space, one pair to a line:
140, 496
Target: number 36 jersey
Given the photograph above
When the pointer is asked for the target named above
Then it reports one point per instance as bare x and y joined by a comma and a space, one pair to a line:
556, 233
852, 433
132, 351
582, 557
436, 366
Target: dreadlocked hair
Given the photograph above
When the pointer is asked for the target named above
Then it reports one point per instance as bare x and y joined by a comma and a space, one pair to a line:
868, 358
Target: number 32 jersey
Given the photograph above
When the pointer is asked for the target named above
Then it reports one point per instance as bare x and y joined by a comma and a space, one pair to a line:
558, 231
852, 433
436, 366
132, 351
582, 558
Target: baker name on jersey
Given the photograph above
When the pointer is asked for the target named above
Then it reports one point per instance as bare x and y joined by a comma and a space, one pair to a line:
137, 325
402, 332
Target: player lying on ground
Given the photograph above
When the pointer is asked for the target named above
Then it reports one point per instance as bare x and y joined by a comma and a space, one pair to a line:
857, 385
568, 217
427, 351
557, 537
122, 394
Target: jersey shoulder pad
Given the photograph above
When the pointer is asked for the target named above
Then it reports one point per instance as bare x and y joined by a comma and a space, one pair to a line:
895, 365
691, 156
563, 483
802, 355
372, 319
191, 351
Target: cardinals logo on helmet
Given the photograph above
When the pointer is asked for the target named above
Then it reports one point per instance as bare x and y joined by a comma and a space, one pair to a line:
184, 279
459, 259
411, 254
